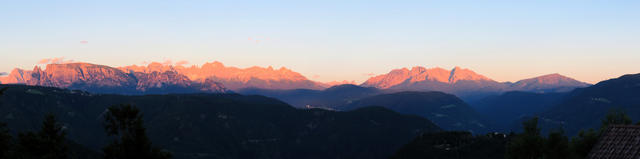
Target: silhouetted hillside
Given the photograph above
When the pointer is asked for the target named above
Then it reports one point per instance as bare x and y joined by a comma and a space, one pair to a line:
329, 98
506, 109
454, 145
447, 111
584, 108
221, 125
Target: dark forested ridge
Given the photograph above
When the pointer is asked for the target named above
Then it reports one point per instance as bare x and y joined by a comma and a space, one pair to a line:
584, 108
507, 109
219, 125
331, 98
447, 111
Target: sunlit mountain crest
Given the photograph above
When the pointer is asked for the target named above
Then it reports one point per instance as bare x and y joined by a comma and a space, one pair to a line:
459, 81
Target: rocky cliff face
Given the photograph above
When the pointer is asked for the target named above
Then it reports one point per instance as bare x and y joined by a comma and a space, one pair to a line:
105, 79
16, 76
160, 80
74, 74
466, 83
418, 74
236, 78
401, 78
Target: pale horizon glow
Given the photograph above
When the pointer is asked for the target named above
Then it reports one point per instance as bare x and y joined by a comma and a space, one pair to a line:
327, 41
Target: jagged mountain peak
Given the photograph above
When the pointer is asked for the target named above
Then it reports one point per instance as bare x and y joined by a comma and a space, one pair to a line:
105, 79
459, 73
235, 78
419, 74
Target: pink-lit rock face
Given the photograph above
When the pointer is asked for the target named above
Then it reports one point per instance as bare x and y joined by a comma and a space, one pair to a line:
100, 78
210, 76
65, 75
420, 74
236, 78
458, 74
215, 77
466, 83
547, 82
16, 76
152, 67
160, 80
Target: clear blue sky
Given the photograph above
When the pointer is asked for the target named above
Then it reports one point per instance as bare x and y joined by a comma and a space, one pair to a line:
334, 40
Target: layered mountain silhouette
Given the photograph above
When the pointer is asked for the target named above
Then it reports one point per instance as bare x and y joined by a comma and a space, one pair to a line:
447, 111
220, 125
330, 98
466, 83
586, 107
507, 109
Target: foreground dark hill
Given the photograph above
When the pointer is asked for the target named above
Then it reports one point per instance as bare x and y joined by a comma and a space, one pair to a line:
447, 111
454, 145
508, 108
328, 98
221, 125
584, 108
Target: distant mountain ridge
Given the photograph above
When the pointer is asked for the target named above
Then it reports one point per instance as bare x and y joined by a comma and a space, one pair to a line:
548, 83
586, 107
105, 79
466, 83
235, 78
216, 77
330, 98
447, 111
417, 74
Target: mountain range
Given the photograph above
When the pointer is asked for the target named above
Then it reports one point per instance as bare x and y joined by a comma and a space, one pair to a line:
216, 113
467, 84
235, 78
579, 109
105, 79
216, 77
445, 110
585, 107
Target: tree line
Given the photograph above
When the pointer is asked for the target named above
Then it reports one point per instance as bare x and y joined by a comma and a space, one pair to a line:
123, 123
530, 144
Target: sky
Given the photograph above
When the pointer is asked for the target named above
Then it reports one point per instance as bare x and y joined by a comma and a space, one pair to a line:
333, 40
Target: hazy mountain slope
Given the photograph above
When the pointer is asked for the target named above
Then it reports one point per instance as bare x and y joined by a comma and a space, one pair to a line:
221, 125
506, 109
548, 83
328, 98
447, 111
584, 108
